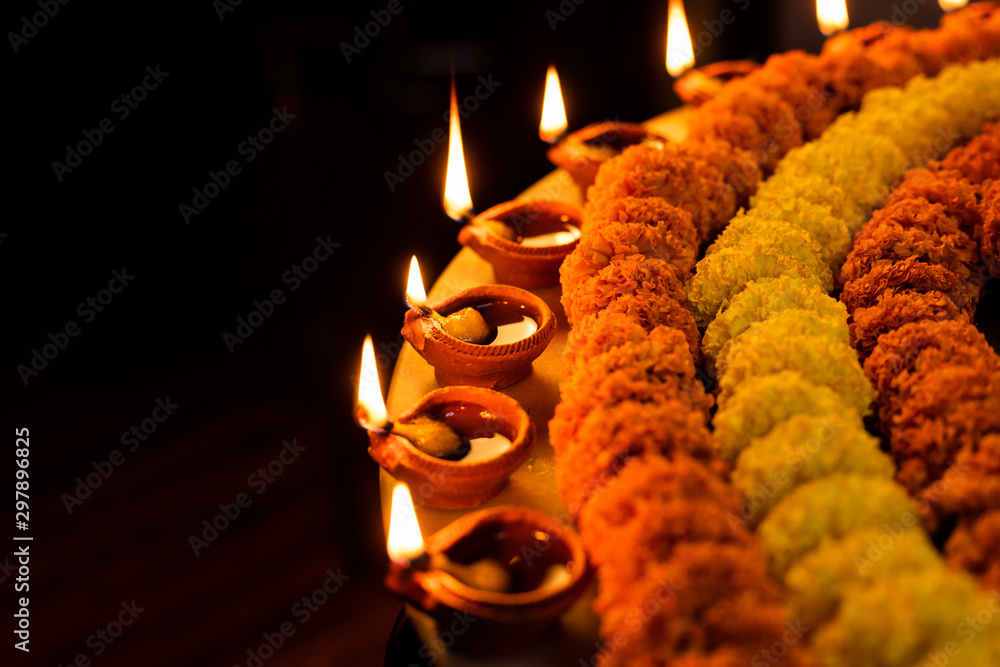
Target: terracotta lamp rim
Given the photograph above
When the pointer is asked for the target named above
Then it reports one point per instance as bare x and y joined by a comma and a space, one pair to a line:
538, 310
444, 539
523, 430
516, 207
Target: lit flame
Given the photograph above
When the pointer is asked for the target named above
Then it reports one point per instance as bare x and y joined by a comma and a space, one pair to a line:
949, 5
369, 391
415, 294
405, 541
680, 51
831, 16
553, 111
457, 200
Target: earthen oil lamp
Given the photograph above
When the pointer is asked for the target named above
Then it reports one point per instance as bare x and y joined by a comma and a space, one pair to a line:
702, 84
524, 241
582, 152
485, 336
457, 446
509, 572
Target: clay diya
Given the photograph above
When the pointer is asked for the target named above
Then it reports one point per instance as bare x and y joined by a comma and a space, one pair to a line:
455, 448
486, 336
525, 241
702, 84
582, 152
508, 572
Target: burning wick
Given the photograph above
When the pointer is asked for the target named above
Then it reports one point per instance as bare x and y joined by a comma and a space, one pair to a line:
457, 199
428, 435
467, 325
680, 50
831, 15
553, 124
406, 548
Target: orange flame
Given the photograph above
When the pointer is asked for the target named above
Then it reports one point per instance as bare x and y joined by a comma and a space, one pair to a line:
680, 51
831, 16
405, 541
457, 200
553, 110
415, 294
369, 391
951, 5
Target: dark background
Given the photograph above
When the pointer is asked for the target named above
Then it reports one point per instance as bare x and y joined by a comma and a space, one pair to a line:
323, 176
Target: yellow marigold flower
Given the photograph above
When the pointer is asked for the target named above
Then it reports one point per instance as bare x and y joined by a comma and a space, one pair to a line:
821, 360
792, 321
915, 618
803, 448
783, 191
968, 93
818, 582
758, 300
830, 232
759, 403
828, 508
778, 250
863, 166
914, 125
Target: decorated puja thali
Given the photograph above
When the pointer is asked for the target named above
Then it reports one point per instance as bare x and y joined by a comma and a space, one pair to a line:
766, 425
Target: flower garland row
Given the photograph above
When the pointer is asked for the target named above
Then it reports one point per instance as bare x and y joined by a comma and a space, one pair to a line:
680, 579
841, 535
913, 279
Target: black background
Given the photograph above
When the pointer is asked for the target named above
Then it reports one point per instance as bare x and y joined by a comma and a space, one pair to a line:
322, 176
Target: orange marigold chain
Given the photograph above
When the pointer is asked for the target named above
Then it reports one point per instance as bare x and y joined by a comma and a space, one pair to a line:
938, 378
